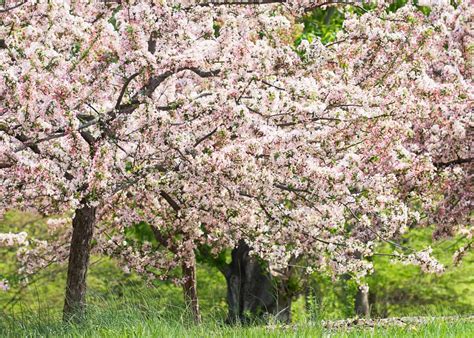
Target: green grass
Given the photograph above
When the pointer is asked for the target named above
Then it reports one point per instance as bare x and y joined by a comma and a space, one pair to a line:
126, 319
122, 305
142, 315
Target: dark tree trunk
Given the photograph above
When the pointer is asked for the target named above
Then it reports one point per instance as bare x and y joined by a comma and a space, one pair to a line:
362, 307
190, 289
252, 292
83, 226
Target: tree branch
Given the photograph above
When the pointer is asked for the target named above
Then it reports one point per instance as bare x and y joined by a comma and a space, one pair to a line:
236, 2
170, 201
205, 137
7, 9
441, 165
124, 88
148, 90
163, 240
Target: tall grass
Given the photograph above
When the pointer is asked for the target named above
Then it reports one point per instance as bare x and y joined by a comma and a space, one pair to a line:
123, 305
140, 316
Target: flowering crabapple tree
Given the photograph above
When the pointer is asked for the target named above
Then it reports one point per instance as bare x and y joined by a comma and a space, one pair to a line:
381, 158
207, 124
70, 93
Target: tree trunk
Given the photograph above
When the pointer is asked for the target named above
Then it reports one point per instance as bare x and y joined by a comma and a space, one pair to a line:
190, 289
362, 307
252, 293
83, 227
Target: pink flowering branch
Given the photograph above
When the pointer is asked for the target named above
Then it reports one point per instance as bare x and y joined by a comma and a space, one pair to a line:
122, 109
7, 9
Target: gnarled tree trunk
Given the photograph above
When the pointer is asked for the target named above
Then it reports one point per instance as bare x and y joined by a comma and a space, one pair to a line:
83, 227
252, 292
190, 289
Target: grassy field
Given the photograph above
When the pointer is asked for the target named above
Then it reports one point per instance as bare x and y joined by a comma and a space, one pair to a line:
136, 311
122, 305
126, 319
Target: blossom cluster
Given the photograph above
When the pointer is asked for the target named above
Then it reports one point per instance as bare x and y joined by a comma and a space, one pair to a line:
424, 260
11, 240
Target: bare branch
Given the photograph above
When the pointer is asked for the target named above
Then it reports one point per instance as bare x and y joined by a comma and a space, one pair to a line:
5, 165
170, 201
441, 165
124, 88
205, 137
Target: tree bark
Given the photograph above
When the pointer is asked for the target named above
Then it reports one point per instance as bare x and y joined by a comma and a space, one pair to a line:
79, 252
362, 307
190, 289
252, 293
